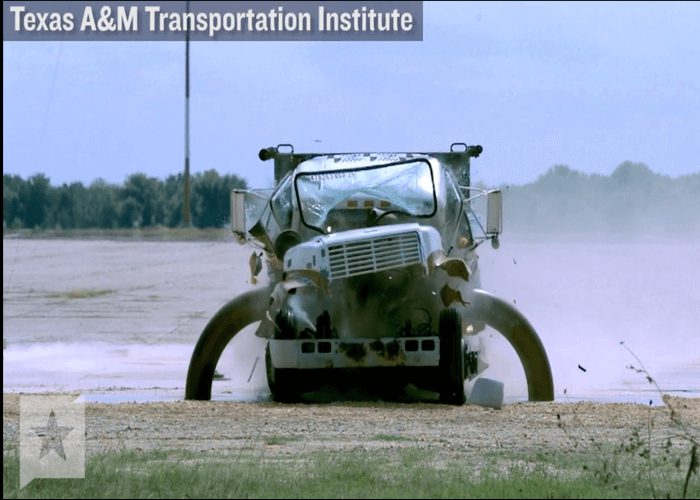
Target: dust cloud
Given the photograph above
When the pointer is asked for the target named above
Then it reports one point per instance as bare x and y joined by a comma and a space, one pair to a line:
595, 260
584, 298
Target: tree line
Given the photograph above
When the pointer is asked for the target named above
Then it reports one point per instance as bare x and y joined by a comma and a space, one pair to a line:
142, 201
632, 201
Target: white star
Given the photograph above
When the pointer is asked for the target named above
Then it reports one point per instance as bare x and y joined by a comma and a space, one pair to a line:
52, 437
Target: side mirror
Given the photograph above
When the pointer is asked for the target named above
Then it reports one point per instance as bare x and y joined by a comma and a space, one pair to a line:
494, 213
246, 209
238, 212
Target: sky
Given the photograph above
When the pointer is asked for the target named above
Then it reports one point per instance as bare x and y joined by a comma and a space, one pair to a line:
589, 85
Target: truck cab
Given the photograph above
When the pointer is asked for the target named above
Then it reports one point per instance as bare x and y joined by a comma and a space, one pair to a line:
373, 277
368, 253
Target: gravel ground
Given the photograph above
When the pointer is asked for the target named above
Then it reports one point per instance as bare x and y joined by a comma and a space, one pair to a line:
229, 427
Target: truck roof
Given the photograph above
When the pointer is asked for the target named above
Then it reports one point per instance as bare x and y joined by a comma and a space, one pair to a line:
286, 160
353, 160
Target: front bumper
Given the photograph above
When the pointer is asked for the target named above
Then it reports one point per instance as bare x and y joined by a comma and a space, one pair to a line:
355, 352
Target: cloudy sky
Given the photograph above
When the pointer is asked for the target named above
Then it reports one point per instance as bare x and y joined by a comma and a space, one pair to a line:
585, 84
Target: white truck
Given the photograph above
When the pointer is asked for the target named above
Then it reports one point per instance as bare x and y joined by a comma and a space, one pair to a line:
373, 276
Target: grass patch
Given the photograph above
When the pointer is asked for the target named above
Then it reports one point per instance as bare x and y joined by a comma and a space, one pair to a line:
356, 474
81, 293
390, 437
279, 440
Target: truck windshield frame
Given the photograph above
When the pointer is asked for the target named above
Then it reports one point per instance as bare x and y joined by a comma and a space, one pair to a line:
391, 185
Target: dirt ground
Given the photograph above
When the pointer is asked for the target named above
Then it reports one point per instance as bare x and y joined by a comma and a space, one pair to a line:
121, 292
229, 427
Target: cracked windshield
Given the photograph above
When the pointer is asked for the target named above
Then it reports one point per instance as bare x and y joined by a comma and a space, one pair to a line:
337, 198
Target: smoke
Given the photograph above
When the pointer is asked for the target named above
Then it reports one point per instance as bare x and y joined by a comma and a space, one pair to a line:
633, 202
243, 366
504, 365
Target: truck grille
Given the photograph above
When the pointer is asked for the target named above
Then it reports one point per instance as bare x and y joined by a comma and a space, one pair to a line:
373, 255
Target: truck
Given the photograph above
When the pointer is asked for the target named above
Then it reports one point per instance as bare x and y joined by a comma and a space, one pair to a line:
373, 274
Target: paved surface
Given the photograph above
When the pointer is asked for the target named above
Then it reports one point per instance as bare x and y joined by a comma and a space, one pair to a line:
124, 316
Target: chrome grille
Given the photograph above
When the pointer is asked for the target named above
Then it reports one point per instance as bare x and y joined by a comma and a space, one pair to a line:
374, 254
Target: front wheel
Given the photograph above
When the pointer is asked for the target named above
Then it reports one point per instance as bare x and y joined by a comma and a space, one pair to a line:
451, 358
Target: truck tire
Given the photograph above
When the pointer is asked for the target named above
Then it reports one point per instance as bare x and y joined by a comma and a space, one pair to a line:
283, 382
451, 358
226, 323
285, 325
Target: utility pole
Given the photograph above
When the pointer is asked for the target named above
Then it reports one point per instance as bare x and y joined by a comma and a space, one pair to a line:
186, 214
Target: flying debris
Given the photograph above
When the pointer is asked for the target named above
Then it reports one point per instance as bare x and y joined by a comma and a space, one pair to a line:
449, 295
252, 370
255, 262
581, 368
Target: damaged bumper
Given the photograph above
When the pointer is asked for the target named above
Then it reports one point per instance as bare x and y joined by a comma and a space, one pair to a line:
355, 353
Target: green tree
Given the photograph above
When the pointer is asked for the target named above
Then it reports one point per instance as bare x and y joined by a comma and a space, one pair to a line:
36, 198
173, 192
71, 206
142, 201
12, 208
211, 198
102, 205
